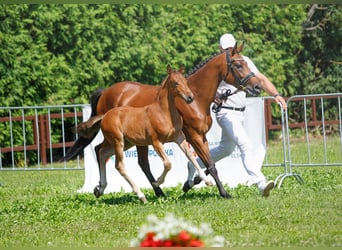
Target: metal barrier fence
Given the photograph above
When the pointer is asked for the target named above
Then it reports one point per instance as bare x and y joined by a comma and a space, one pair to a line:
313, 130
37, 136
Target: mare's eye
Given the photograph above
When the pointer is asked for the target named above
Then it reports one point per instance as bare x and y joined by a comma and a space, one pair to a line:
239, 65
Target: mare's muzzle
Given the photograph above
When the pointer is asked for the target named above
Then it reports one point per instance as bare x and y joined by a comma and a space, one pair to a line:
253, 91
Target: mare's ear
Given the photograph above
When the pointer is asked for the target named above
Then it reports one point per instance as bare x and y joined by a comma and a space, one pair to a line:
169, 69
234, 51
240, 48
181, 70
237, 49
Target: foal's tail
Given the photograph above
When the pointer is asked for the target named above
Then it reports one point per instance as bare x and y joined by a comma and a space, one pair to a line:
87, 130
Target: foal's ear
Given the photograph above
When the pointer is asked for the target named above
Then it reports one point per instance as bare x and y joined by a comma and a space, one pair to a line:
181, 70
169, 69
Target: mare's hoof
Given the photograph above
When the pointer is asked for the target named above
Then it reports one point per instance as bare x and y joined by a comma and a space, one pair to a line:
159, 192
227, 196
97, 192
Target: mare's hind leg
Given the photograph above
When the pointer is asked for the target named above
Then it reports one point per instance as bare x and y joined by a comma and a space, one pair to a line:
158, 146
103, 152
145, 167
119, 165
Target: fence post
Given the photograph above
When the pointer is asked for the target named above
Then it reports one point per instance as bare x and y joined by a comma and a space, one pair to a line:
42, 136
287, 151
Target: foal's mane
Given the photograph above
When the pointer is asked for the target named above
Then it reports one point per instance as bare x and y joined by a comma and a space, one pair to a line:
201, 64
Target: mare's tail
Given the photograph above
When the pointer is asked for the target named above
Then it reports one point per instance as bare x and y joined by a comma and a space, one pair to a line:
92, 127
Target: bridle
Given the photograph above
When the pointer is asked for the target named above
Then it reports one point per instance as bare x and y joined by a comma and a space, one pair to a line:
242, 83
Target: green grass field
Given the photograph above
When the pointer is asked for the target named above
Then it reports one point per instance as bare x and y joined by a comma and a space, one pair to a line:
42, 208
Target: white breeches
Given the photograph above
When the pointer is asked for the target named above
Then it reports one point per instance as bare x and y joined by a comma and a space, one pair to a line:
234, 134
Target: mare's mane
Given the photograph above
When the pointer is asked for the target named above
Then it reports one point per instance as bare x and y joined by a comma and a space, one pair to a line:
201, 64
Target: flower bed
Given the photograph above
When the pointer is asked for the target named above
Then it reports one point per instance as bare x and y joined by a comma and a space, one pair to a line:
175, 232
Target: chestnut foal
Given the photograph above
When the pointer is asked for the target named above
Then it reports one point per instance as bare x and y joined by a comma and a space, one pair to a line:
154, 124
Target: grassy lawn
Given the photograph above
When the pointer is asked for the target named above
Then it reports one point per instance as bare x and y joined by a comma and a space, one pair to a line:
313, 151
42, 208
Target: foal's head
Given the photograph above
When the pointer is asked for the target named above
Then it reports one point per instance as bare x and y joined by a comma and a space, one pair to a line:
178, 84
238, 72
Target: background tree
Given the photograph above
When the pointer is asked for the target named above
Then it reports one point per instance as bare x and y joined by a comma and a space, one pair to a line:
320, 60
59, 54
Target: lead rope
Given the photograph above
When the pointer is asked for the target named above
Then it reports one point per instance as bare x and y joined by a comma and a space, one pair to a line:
221, 98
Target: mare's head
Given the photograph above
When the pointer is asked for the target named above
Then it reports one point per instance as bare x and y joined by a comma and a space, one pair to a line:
178, 84
238, 72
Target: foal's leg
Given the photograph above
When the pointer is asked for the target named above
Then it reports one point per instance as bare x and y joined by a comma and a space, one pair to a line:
119, 165
145, 167
182, 143
103, 152
158, 146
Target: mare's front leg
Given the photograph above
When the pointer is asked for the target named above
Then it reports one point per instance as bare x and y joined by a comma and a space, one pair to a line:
200, 145
103, 152
182, 143
145, 167
158, 146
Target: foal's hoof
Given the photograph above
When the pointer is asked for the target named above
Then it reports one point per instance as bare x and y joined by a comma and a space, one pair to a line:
97, 192
143, 199
209, 183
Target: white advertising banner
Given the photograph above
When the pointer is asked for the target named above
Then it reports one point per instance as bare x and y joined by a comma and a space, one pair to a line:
230, 169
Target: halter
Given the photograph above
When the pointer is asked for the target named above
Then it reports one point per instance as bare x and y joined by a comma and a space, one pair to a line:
241, 82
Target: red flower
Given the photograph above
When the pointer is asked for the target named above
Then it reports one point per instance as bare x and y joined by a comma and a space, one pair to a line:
184, 236
182, 239
150, 235
149, 240
167, 243
196, 243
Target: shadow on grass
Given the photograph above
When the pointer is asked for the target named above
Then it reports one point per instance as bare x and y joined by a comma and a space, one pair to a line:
107, 199
172, 194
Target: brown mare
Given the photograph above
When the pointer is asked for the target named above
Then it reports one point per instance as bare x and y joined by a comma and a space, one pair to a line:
155, 124
203, 82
